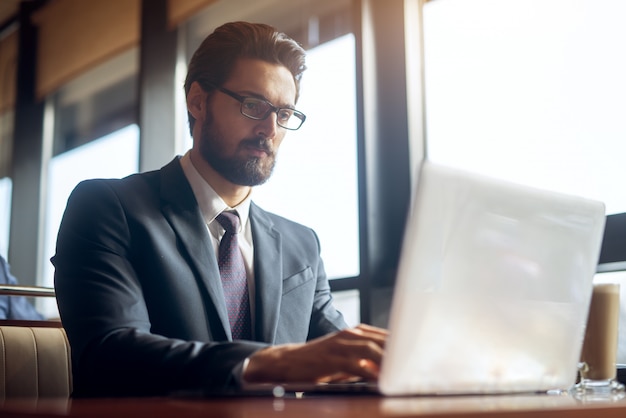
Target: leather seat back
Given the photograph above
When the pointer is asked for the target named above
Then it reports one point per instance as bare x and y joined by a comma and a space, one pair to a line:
34, 362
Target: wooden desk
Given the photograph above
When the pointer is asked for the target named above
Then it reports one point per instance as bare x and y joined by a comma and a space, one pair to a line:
518, 406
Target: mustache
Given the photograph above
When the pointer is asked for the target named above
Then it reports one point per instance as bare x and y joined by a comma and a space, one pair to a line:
260, 143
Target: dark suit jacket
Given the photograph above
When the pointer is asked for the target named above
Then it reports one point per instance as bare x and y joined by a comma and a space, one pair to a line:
140, 296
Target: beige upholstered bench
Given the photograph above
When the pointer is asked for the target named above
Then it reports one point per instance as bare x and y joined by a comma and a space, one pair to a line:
34, 360
34, 355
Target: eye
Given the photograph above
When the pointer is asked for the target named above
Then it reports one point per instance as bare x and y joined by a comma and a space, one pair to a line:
254, 107
284, 115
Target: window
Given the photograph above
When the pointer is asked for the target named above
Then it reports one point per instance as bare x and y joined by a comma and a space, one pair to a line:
315, 180
94, 134
65, 171
532, 91
6, 184
97, 103
347, 302
5, 215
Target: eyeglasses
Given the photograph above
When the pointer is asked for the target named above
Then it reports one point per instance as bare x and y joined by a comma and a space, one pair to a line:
259, 109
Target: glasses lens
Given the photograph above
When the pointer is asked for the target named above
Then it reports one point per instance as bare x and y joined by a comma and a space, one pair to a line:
290, 119
255, 108
260, 109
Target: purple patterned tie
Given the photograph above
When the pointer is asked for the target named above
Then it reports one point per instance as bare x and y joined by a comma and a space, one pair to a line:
234, 281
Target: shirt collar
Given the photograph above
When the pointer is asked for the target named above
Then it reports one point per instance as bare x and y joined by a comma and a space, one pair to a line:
210, 203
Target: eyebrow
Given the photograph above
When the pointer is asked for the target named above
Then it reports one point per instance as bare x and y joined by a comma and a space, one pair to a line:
247, 93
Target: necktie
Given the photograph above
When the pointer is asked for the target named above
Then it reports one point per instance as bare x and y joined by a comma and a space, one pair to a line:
233, 275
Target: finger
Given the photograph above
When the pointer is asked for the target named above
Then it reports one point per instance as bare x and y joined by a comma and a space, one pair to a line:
337, 377
352, 357
341, 378
366, 350
359, 333
372, 329
362, 368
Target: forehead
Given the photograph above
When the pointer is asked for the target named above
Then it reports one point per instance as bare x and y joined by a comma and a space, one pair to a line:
274, 82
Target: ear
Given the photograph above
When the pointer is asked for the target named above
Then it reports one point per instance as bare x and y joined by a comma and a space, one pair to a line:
196, 101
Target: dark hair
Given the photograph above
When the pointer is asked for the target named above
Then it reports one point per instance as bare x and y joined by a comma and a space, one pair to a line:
214, 60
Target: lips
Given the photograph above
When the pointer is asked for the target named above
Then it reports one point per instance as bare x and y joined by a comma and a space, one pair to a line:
259, 148
257, 152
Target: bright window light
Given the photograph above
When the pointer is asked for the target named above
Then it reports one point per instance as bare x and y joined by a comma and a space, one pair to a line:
5, 215
531, 91
315, 179
113, 156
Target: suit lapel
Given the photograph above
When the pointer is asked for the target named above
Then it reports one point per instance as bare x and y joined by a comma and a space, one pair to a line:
268, 274
182, 212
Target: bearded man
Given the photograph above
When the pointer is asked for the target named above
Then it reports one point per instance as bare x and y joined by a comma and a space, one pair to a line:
175, 280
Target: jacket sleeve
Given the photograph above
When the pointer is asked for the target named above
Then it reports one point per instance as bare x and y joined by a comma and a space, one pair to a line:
102, 307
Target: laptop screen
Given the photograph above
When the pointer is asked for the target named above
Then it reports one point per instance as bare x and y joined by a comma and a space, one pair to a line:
493, 287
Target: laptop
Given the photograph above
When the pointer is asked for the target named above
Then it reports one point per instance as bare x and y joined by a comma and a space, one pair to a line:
492, 291
493, 287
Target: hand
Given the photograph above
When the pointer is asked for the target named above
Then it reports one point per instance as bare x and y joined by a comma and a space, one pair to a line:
353, 353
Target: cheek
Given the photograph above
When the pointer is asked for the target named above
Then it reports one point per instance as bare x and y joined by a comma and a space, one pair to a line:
226, 134
225, 119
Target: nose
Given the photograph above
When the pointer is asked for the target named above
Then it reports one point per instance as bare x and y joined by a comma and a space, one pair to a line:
268, 127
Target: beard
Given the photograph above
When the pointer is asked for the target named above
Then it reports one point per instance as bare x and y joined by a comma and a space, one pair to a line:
243, 171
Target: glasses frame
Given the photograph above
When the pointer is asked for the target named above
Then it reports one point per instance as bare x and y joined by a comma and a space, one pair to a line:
272, 109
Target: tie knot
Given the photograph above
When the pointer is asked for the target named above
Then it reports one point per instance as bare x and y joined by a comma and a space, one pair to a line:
229, 221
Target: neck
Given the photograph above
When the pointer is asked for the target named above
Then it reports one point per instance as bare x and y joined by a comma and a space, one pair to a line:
232, 194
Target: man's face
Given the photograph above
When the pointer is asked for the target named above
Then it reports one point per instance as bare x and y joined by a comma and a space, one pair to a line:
243, 150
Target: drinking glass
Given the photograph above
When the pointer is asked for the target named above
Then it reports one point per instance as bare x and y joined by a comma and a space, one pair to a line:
598, 370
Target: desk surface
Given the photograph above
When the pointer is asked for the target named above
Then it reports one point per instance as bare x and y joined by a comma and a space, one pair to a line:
535, 406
